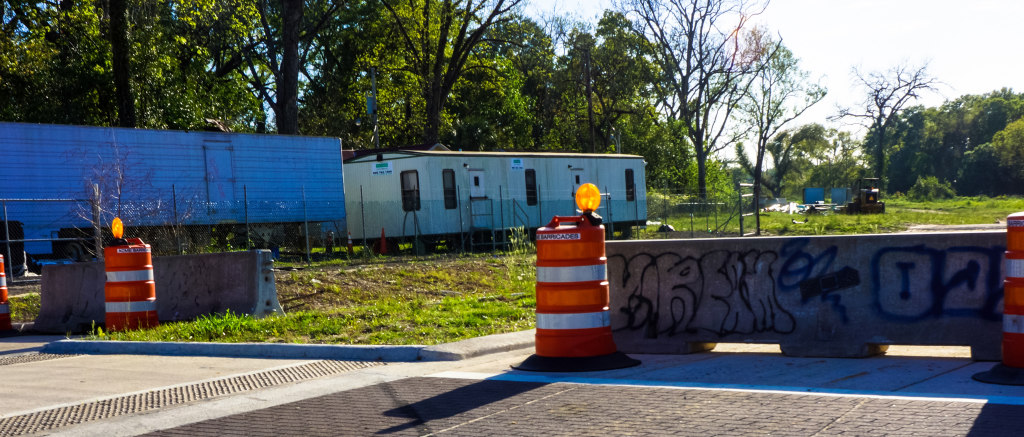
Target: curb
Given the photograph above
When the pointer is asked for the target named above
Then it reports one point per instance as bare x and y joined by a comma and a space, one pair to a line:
455, 351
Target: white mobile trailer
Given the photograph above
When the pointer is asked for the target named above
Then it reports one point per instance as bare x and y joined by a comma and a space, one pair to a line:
437, 195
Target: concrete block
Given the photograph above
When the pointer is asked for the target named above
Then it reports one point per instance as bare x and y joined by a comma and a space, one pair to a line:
187, 286
828, 296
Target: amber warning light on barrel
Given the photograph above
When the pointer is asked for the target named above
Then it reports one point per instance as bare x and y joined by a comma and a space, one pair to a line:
588, 198
117, 228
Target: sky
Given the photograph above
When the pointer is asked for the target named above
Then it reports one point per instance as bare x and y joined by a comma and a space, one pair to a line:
969, 46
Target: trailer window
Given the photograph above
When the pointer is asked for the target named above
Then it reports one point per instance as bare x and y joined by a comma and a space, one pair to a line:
410, 190
451, 201
531, 187
630, 186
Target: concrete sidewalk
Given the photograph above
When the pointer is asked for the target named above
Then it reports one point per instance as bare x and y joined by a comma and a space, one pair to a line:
141, 393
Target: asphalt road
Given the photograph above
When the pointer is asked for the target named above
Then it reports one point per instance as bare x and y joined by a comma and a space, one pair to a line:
735, 390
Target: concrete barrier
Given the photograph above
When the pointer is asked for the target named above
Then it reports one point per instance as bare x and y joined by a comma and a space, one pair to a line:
187, 286
827, 296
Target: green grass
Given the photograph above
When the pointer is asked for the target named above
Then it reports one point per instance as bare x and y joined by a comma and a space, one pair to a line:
900, 214
24, 307
414, 303
436, 299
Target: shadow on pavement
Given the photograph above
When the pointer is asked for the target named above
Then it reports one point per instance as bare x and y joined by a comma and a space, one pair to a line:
997, 419
451, 403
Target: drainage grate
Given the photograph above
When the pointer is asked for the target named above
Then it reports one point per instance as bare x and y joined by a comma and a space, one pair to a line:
31, 358
141, 402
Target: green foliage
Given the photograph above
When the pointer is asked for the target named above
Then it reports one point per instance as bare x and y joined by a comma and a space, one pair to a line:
970, 141
410, 304
1008, 145
930, 188
24, 307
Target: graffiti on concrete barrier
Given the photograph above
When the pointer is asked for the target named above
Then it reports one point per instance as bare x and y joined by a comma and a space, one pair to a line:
747, 292
800, 265
917, 282
720, 292
812, 272
822, 285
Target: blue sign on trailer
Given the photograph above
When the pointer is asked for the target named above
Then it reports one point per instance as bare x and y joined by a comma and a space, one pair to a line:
158, 178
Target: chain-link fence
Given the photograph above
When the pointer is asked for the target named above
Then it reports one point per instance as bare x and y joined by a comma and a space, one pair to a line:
301, 228
62, 229
37, 232
462, 222
674, 213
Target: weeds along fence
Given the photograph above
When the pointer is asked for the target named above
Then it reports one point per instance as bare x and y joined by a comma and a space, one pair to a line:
299, 228
36, 232
687, 215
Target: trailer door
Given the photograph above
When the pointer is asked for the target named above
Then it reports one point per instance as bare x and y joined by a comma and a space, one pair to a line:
220, 175
476, 184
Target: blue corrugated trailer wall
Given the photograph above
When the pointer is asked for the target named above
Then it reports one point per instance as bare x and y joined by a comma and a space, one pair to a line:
208, 171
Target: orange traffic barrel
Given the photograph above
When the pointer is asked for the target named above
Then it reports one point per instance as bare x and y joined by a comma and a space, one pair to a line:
573, 320
130, 289
5, 307
1011, 370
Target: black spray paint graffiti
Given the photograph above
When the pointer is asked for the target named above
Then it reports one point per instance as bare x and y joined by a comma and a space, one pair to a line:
721, 292
813, 276
917, 282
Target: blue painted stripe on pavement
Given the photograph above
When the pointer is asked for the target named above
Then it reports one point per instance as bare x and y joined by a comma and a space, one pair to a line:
811, 391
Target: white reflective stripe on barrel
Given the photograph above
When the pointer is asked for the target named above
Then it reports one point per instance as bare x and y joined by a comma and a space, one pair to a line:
131, 275
1014, 268
596, 272
5, 309
131, 307
1013, 324
3, 280
574, 321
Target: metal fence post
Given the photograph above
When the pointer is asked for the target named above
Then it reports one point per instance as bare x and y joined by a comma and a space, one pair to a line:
177, 225
245, 199
7, 238
501, 212
305, 223
739, 206
362, 220
462, 226
97, 237
611, 221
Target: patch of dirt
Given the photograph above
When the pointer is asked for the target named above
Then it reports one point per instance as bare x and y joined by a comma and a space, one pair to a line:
328, 287
956, 228
18, 288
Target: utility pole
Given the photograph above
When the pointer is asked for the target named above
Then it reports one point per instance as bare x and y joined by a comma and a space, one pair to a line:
373, 107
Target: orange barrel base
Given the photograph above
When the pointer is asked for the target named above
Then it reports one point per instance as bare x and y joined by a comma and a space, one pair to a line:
574, 342
616, 360
131, 320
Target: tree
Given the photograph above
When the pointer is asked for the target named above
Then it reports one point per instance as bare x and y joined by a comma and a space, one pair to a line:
886, 95
120, 48
1008, 145
790, 152
836, 163
54, 63
779, 94
530, 51
277, 52
439, 39
704, 75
